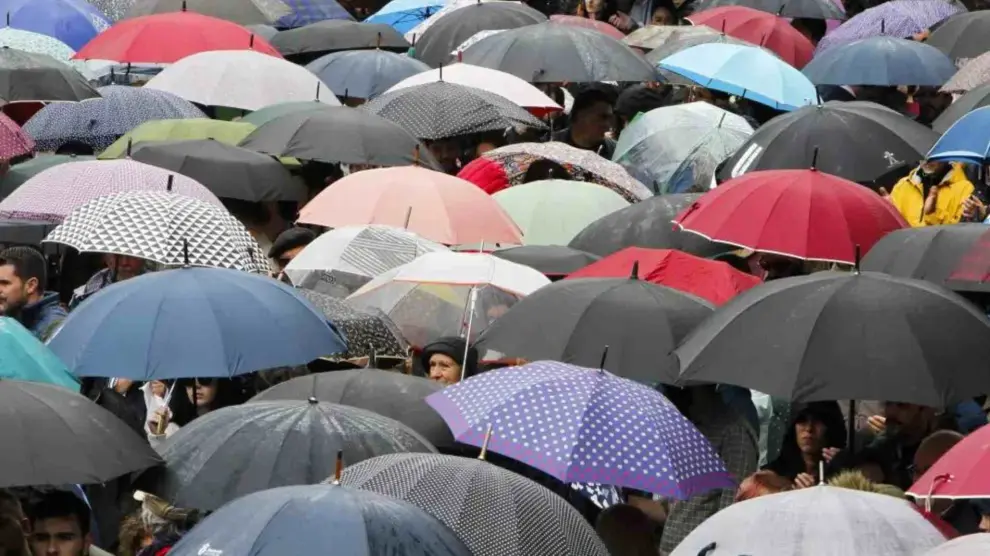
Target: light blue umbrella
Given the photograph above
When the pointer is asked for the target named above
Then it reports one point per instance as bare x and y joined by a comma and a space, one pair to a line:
24, 357
403, 15
74, 22
968, 140
364, 74
745, 71
881, 61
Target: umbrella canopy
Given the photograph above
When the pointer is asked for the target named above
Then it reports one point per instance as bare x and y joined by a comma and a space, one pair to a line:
47, 422
268, 113
167, 38
228, 133
577, 21
264, 31
858, 141
101, 121
971, 75
554, 52
552, 212
73, 22
222, 323
29, 77
21, 172
759, 28
554, 261
958, 473
651, 446
436, 206
306, 12
242, 12
862, 336
364, 74
806, 9
973, 99
686, 37
317, 39
450, 30
966, 545
23, 357
241, 449
898, 18
14, 141
370, 333
948, 255
393, 395
881, 61
35, 43
292, 520
745, 71
815, 521
442, 110
966, 141
677, 148
464, 492
403, 15
342, 260
962, 36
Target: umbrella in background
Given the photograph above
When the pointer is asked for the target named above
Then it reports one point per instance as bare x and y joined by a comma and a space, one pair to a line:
242, 12
601, 26
972, 100
651, 37
966, 545
952, 256
268, 113
682, 40
370, 333
807, 9
971, 75
963, 36
73, 22
20, 173
403, 15
554, 261
264, 31
449, 30
23, 357
901, 19
881, 61
958, 473
312, 41
364, 74
228, 133
28, 77
114, 10
306, 12
35, 43
967, 139
14, 142
761, 29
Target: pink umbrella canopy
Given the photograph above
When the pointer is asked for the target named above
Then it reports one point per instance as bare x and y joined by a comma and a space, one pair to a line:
13, 141
51, 195
436, 206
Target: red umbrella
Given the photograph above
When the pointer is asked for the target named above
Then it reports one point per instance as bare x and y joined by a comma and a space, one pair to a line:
961, 473
578, 21
169, 37
14, 141
714, 281
489, 175
760, 28
805, 214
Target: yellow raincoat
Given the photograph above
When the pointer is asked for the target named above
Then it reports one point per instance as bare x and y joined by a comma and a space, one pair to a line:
909, 198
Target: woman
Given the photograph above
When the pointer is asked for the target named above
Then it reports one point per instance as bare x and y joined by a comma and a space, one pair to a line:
443, 360
600, 10
817, 426
201, 396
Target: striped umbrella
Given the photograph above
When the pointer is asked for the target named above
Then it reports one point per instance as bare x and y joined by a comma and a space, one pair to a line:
898, 18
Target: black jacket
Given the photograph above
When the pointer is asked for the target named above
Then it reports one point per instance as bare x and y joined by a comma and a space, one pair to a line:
606, 149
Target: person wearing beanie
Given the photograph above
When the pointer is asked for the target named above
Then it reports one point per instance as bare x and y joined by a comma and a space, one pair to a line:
443, 360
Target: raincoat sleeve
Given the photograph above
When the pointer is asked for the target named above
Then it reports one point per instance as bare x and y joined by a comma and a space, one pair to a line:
949, 208
907, 200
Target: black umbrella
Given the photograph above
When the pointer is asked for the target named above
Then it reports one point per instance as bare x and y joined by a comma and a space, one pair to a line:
242, 449
441, 110
963, 36
954, 256
452, 29
844, 336
554, 52
574, 320
242, 12
394, 395
555, 261
494, 511
808, 9
368, 331
645, 224
30, 77
973, 99
859, 141
229, 172
41, 425
337, 134
308, 43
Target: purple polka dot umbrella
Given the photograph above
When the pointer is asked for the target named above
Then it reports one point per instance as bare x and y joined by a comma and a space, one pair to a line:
583, 425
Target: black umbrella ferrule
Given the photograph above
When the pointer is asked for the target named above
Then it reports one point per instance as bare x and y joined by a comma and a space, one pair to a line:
184, 7
338, 468
185, 252
814, 159
130, 145
312, 400
171, 177
601, 366
856, 259
251, 41
634, 275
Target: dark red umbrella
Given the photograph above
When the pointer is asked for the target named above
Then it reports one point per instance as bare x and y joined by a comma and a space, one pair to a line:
601, 26
167, 38
959, 474
805, 214
714, 281
760, 28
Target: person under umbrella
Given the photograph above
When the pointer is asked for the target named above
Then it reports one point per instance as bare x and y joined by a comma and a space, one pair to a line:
591, 119
196, 398
932, 194
23, 276
60, 526
118, 268
287, 245
817, 427
444, 360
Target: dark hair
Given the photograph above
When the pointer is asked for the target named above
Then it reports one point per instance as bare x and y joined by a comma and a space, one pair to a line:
12, 539
790, 463
28, 263
626, 531
229, 392
60, 503
545, 169
589, 96
815, 27
291, 239
639, 99
10, 504
75, 147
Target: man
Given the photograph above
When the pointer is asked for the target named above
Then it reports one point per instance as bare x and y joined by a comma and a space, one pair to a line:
933, 194
448, 153
591, 119
23, 276
60, 526
287, 245
118, 268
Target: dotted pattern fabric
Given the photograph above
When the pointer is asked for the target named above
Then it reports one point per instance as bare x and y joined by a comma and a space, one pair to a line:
13, 141
366, 330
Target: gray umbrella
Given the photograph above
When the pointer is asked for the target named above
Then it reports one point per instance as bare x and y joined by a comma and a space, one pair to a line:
243, 12
228, 171
317, 39
29, 77
264, 31
452, 29
555, 261
554, 52
364, 74
441, 110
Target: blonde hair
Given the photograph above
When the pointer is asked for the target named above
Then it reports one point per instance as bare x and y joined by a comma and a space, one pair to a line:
856, 480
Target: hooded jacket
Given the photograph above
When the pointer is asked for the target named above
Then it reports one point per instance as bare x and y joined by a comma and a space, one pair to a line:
909, 194
44, 316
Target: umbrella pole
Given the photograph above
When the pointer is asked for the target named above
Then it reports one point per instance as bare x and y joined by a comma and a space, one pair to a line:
472, 300
852, 426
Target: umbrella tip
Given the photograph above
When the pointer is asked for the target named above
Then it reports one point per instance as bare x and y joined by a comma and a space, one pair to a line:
601, 365
708, 549
634, 275
338, 468
185, 253
312, 400
183, 5
484, 445
250, 41
168, 184
856, 254
814, 159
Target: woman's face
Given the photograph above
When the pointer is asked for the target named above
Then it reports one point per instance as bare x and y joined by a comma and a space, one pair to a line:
444, 369
202, 394
594, 6
810, 436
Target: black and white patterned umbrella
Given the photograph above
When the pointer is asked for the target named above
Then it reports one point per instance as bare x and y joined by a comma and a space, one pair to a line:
168, 228
29, 77
368, 331
441, 110
494, 511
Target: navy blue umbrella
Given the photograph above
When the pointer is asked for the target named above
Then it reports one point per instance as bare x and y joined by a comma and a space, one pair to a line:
881, 61
320, 519
193, 322
364, 74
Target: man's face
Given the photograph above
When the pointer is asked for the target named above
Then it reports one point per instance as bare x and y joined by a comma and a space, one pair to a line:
58, 536
286, 258
596, 121
446, 154
14, 292
904, 419
125, 267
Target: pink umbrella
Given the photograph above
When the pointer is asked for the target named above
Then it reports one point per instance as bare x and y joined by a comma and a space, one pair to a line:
51, 195
13, 141
600, 26
436, 206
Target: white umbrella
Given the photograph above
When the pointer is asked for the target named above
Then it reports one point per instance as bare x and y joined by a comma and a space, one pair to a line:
967, 545
242, 79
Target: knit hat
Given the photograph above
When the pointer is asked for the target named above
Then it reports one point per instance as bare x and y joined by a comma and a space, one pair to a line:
452, 347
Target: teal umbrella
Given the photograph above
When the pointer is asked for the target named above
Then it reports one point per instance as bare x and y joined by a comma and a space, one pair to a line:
24, 357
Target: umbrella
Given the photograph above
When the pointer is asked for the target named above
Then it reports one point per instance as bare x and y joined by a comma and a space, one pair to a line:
305, 12
167, 38
264, 115
759, 28
338, 135
552, 212
342, 260
971, 75
23, 357
898, 18
264, 31
576, 414
650, 37
601, 26
21, 172
844, 336
554, 52
966, 140
958, 474
688, 37
951, 256
713, 281
228, 133
242, 12
114, 10
294, 520
55, 192
804, 214
403, 15
807, 9
35, 43
463, 493
221, 323
369, 332
442, 110
576, 321
858, 141
101, 121
817, 521
314, 40
745, 71
436, 206
73, 22
962, 36
450, 30
677, 148
159, 226
28, 77
393, 395
47, 422
239, 79
966, 545
554, 261
973, 99
14, 142
364, 74
241, 449
881, 61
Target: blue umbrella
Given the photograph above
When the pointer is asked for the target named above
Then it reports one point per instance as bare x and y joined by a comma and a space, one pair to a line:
745, 71
305, 12
881, 61
193, 322
968, 140
319, 519
23, 357
403, 15
364, 74
73, 22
